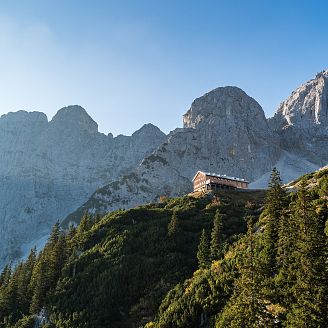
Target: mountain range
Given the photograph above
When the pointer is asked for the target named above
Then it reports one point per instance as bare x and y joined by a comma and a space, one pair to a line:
54, 170
48, 169
226, 131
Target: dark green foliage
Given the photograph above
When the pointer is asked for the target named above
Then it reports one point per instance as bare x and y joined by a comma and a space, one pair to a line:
310, 308
114, 271
203, 252
192, 303
275, 203
139, 267
130, 251
26, 322
247, 306
217, 237
173, 226
277, 272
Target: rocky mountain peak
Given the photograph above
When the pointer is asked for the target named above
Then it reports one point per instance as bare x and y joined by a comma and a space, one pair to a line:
148, 130
228, 106
48, 169
306, 108
21, 129
24, 116
74, 117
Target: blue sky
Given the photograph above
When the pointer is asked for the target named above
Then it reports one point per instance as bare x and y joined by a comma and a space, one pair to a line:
134, 62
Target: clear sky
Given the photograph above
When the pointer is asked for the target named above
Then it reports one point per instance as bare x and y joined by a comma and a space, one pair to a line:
133, 62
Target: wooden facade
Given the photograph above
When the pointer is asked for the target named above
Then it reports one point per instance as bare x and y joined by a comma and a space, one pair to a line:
213, 181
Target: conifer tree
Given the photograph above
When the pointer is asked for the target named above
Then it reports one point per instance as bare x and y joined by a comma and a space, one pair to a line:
57, 259
12, 296
173, 226
247, 306
31, 259
24, 279
311, 287
5, 276
216, 237
39, 285
203, 253
81, 230
54, 235
275, 204
85, 224
287, 268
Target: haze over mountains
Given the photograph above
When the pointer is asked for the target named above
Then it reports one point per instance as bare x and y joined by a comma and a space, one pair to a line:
50, 169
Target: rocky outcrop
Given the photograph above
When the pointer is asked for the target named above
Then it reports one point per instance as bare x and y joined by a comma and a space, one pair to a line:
307, 107
224, 131
48, 169
302, 121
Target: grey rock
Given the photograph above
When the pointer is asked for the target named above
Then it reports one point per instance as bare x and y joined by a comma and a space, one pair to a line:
224, 131
48, 169
302, 121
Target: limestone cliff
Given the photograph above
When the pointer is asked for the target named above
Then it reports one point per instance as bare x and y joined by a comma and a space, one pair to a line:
48, 169
302, 121
226, 131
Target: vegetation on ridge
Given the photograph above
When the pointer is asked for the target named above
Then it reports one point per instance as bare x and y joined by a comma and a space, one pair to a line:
233, 259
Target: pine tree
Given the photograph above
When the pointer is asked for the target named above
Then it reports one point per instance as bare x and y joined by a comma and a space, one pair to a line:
247, 306
13, 300
85, 224
216, 237
24, 279
275, 204
5, 276
82, 229
203, 253
57, 259
287, 268
311, 287
39, 285
54, 235
173, 226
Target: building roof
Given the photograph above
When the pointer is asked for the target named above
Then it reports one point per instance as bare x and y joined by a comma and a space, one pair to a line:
222, 176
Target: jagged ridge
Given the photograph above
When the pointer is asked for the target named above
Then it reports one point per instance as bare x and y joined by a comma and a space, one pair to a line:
225, 130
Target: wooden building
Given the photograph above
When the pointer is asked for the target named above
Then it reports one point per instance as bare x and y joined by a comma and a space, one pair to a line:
213, 181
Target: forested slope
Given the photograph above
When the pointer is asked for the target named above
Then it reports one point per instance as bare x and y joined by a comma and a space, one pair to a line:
232, 259
114, 271
274, 276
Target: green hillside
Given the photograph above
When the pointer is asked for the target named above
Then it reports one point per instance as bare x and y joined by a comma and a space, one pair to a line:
274, 276
231, 259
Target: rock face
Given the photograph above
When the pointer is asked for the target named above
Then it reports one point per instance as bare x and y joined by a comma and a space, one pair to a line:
302, 120
307, 107
226, 131
48, 169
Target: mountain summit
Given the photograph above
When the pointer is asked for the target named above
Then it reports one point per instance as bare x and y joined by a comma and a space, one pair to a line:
225, 107
226, 131
307, 107
74, 117
302, 121
50, 169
